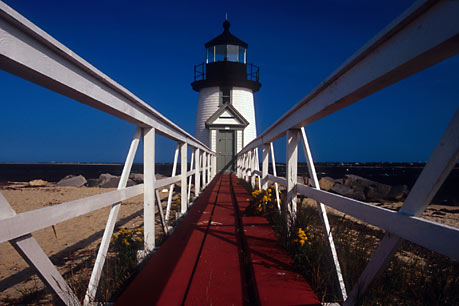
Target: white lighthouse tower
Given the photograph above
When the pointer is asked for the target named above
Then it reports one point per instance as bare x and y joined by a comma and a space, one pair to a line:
225, 119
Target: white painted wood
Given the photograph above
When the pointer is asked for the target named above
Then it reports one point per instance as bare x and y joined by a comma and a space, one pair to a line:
197, 176
273, 160
113, 216
278, 180
257, 167
183, 170
171, 188
291, 174
323, 213
207, 105
214, 166
167, 181
161, 212
36, 258
433, 175
242, 100
208, 168
252, 168
422, 36
34, 220
438, 237
204, 169
32, 54
149, 189
190, 178
265, 166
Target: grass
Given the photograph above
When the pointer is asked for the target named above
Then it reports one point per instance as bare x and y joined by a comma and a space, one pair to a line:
414, 276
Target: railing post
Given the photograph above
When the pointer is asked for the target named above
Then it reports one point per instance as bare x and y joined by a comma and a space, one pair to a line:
253, 167
183, 171
204, 169
323, 213
149, 188
291, 175
264, 167
209, 169
197, 174
214, 166
105, 242
273, 159
238, 172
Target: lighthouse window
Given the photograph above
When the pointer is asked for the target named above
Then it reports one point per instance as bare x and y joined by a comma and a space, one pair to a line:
232, 53
242, 55
225, 95
210, 55
220, 53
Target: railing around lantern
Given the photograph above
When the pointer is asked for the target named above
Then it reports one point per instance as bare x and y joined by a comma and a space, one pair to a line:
32, 54
200, 72
402, 49
253, 72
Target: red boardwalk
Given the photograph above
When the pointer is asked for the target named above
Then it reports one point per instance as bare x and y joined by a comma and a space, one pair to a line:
218, 256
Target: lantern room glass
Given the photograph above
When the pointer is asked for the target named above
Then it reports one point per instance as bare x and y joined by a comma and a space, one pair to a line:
226, 53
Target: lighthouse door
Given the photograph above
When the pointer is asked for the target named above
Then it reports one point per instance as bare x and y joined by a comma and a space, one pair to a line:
225, 150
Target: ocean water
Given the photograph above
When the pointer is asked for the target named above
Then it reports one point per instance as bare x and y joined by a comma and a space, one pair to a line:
387, 173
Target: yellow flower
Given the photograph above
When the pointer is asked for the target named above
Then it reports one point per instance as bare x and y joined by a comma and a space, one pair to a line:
302, 242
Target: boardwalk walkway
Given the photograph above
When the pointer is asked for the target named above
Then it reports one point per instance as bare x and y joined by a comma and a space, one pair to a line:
218, 256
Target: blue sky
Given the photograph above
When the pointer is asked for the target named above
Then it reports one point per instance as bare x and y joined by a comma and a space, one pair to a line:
150, 48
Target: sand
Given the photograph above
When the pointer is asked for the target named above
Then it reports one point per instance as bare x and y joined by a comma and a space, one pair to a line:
71, 245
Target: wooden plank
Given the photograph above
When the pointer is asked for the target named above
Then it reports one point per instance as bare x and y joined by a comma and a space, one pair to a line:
197, 176
275, 281
437, 237
32, 54
167, 181
278, 180
171, 188
34, 220
204, 169
33, 254
291, 175
166, 276
323, 213
113, 216
405, 47
264, 167
273, 159
149, 189
189, 175
183, 169
433, 175
217, 279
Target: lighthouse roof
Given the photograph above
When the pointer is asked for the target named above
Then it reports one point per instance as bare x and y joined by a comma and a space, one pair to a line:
226, 38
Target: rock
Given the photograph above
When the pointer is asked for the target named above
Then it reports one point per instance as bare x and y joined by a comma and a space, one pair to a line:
349, 192
39, 183
72, 181
398, 192
373, 190
326, 183
136, 177
93, 182
106, 180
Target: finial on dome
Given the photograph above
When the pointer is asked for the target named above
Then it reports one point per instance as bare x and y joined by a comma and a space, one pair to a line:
226, 25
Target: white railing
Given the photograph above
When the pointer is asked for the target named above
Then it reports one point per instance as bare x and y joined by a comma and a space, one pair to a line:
32, 54
422, 36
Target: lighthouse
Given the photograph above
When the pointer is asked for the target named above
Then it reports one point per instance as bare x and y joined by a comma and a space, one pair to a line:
225, 119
